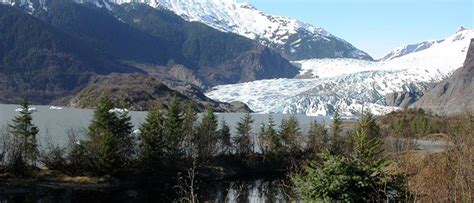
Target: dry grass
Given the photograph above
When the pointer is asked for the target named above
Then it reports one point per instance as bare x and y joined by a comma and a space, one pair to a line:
446, 176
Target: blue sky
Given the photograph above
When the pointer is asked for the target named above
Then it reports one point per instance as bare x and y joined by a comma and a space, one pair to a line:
377, 26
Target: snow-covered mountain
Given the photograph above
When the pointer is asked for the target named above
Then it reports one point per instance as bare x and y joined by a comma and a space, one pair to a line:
408, 49
350, 84
294, 39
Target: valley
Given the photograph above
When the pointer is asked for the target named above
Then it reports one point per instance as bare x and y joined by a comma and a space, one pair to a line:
324, 85
220, 101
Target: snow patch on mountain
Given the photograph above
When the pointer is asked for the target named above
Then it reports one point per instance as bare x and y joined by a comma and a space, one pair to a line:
350, 84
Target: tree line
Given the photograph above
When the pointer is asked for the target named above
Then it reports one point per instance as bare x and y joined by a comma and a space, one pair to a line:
332, 164
170, 136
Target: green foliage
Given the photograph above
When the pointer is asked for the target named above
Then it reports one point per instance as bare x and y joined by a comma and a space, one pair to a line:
80, 160
363, 177
318, 138
331, 180
189, 129
271, 140
174, 129
244, 137
415, 124
226, 138
337, 143
24, 152
110, 138
152, 138
367, 142
290, 135
207, 136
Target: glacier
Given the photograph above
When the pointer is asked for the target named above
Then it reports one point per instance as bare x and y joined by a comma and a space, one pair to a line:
350, 85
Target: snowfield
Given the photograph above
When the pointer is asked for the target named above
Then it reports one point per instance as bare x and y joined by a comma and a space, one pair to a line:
351, 84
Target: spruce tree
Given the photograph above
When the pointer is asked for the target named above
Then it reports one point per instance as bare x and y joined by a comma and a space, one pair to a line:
244, 135
337, 144
174, 129
24, 151
290, 134
226, 138
110, 138
189, 131
362, 177
271, 141
152, 138
318, 137
367, 142
207, 136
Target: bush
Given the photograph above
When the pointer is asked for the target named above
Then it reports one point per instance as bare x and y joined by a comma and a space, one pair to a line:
361, 177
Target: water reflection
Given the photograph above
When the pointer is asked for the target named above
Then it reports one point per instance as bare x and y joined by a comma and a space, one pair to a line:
256, 191
247, 191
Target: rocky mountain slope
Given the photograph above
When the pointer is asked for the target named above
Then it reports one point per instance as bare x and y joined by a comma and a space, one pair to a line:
140, 92
350, 84
295, 40
52, 54
454, 95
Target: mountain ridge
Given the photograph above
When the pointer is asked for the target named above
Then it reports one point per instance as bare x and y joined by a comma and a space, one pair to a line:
293, 39
48, 57
453, 95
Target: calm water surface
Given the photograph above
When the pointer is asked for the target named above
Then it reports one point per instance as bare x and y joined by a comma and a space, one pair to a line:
54, 124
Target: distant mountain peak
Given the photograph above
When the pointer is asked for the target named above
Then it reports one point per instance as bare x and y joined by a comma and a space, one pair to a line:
453, 95
461, 28
460, 34
293, 39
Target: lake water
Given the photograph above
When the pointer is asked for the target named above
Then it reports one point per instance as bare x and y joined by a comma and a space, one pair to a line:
54, 123
248, 191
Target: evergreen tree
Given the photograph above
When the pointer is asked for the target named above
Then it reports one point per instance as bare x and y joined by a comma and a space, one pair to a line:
244, 135
337, 143
420, 125
174, 129
368, 143
24, 150
110, 138
124, 133
290, 134
271, 141
226, 138
318, 137
189, 131
207, 136
363, 177
152, 138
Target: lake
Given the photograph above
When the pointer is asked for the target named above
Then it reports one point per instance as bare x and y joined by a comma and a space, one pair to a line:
54, 123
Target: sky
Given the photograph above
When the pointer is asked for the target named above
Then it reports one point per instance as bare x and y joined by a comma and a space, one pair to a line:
378, 26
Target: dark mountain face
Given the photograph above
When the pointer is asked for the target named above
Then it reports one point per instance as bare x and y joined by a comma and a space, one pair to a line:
455, 94
214, 56
310, 46
51, 55
43, 63
139, 34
